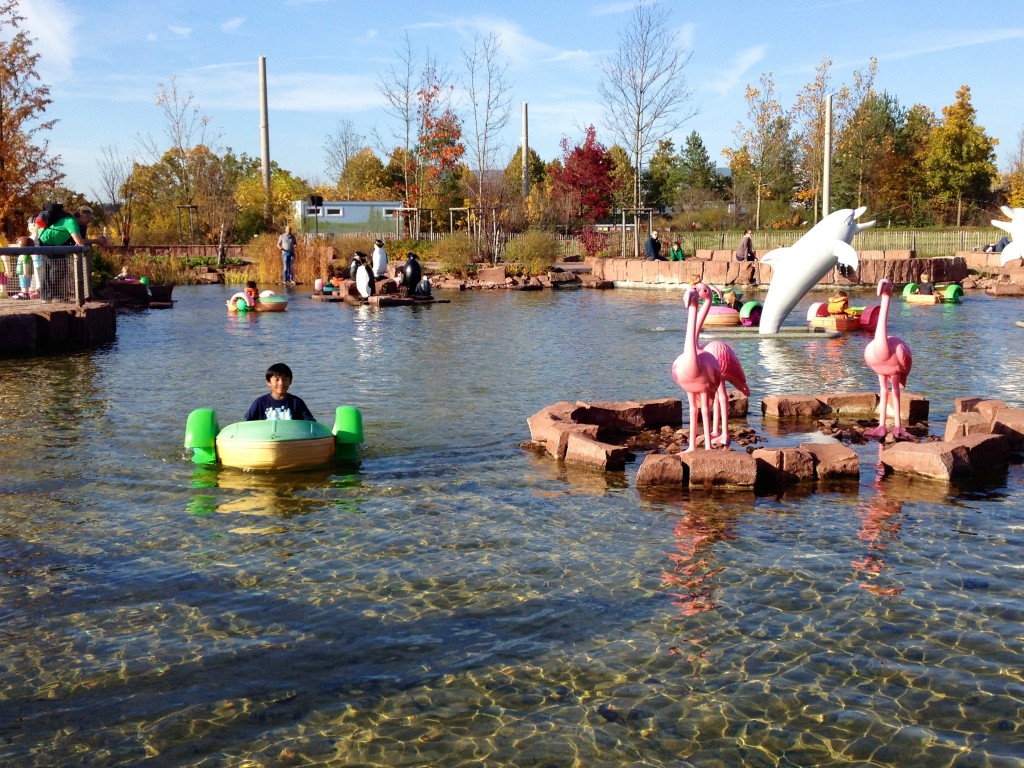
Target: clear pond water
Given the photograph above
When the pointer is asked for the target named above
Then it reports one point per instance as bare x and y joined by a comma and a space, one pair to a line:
462, 601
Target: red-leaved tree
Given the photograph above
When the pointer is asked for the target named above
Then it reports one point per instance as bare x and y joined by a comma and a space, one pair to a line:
586, 177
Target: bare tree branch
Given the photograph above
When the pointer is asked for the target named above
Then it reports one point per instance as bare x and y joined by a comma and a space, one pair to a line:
644, 86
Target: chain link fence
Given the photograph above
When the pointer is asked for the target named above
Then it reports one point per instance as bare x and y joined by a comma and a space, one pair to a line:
49, 274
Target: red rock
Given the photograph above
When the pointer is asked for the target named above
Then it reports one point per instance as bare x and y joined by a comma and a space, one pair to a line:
557, 442
833, 460
661, 469
939, 461
985, 452
540, 423
784, 465
792, 406
966, 404
720, 469
851, 403
491, 274
632, 415
584, 449
988, 408
965, 423
1010, 422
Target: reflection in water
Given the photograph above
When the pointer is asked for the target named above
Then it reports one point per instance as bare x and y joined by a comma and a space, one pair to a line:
691, 581
881, 519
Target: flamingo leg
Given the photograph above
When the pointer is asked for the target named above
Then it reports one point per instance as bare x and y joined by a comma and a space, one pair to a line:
705, 407
722, 407
883, 397
897, 430
692, 398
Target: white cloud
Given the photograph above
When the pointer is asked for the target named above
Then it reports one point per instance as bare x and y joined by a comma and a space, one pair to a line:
52, 26
232, 24
742, 63
181, 32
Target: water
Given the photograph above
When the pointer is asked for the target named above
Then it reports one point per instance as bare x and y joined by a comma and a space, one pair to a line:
462, 601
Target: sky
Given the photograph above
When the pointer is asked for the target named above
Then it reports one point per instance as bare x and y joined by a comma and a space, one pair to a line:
104, 62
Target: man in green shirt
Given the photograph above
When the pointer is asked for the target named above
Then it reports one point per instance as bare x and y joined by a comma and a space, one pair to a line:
68, 230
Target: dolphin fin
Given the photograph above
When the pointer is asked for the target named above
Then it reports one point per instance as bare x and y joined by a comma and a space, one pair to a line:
846, 254
775, 255
1003, 225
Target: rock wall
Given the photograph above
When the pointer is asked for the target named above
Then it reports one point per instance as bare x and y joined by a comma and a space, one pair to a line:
720, 268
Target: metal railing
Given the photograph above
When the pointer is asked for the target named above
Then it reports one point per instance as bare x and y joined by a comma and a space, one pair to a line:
52, 273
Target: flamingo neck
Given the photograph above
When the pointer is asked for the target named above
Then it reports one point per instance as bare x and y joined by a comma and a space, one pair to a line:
882, 328
702, 315
690, 345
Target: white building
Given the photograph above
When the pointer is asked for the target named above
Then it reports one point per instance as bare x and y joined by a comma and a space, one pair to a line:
333, 217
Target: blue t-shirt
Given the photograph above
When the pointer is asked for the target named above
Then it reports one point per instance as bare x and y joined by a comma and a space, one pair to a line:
268, 407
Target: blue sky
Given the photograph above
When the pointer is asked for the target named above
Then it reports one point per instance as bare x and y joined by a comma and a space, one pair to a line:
103, 61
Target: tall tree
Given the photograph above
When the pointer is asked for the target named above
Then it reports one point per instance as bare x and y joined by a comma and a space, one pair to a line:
697, 169
439, 151
585, 177
663, 174
622, 178
340, 147
809, 122
961, 156
644, 86
117, 191
399, 87
1015, 174
765, 138
486, 89
27, 169
364, 177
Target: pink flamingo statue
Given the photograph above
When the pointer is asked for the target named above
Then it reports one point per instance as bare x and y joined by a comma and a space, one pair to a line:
728, 363
697, 372
890, 358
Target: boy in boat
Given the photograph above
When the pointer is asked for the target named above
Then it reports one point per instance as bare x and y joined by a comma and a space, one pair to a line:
279, 404
925, 287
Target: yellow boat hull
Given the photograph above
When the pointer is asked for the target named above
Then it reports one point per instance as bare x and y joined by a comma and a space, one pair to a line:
276, 454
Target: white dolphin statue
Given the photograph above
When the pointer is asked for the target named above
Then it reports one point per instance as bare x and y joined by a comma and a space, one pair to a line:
796, 269
1015, 228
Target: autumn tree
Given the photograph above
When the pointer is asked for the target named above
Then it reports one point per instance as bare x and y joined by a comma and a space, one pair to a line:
250, 197
644, 87
513, 173
365, 178
766, 140
1015, 174
622, 174
439, 150
961, 156
27, 169
585, 177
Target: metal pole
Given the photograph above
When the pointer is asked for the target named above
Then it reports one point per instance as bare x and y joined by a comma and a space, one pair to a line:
526, 156
264, 138
826, 176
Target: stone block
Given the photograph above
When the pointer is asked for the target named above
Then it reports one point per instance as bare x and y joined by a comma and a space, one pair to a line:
966, 404
986, 453
852, 404
872, 255
557, 443
913, 408
1010, 422
631, 416
704, 254
586, 450
784, 465
833, 460
898, 255
938, 461
716, 272
661, 469
540, 423
988, 408
491, 275
792, 406
635, 270
960, 424
720, 469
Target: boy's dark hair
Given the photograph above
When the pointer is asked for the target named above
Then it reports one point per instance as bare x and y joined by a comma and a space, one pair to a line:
279, 369
250, 284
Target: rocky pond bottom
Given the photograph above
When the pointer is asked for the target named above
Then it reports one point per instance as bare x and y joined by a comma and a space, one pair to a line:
460, 601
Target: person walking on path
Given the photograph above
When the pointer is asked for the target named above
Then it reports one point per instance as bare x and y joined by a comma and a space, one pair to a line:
286, 242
